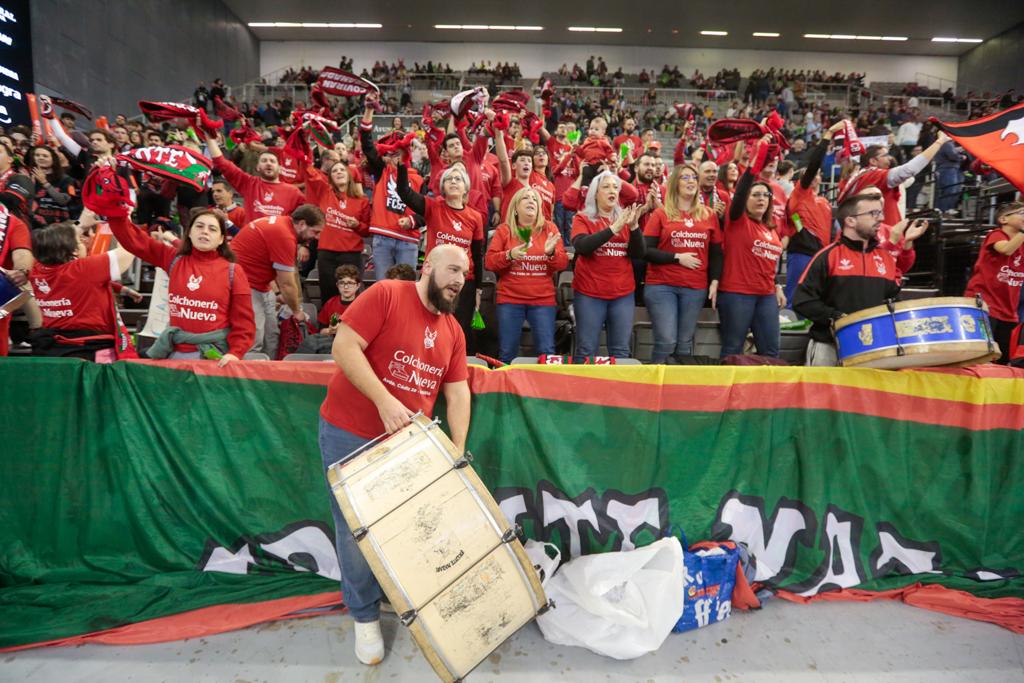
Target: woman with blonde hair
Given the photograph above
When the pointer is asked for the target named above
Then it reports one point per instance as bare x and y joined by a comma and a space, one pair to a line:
339, 194
526, 252
684, 250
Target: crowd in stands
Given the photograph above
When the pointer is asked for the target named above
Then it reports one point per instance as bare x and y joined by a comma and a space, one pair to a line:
673, 229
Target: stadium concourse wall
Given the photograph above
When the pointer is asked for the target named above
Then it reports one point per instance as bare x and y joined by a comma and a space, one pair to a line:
534, 59
146, 501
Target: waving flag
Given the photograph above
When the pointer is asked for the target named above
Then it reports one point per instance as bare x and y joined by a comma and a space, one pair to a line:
997, 140
341, 83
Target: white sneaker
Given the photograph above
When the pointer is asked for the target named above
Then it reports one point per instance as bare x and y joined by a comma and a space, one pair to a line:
369, 643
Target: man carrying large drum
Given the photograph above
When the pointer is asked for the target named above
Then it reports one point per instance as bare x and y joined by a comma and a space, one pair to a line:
397, 347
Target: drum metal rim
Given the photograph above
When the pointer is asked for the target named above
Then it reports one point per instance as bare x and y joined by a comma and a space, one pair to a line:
918, 349
900, 306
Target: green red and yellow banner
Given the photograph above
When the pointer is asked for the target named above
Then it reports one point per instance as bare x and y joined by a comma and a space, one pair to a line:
146, 501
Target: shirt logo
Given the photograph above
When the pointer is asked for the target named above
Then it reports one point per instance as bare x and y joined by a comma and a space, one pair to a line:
429, 337
1016, 261
268, 197
457, 225
879, 264
767, 235
194, 282
42, 285
688, 222
845, 264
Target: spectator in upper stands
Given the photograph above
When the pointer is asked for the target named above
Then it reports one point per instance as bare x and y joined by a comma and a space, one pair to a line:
74, 292
210, 303
683, 247
605, 238
877, 170
525, 270
748, 298
266, 248
392, 223
224, 199
629, 138
998, 274
842, 279
264, 194
346, 278
56, 198
949, 177
346, 221
451, 221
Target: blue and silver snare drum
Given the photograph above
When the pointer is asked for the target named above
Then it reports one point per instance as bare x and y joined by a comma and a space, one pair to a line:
916, 334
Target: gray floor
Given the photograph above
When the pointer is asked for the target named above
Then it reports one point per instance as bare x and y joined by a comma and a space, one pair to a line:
830, 642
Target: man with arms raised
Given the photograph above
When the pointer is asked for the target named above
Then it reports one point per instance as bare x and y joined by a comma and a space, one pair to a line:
264, 193
397, 346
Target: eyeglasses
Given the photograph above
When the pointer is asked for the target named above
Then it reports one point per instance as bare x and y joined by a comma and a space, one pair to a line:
761, 195
348, 283
874, 213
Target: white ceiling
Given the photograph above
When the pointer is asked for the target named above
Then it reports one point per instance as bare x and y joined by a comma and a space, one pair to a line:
661, 24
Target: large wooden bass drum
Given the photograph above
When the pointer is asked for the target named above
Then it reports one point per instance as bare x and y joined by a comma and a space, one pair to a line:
444, 554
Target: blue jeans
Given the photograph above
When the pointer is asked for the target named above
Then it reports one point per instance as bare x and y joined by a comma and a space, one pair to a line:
741, 312
359, 588
795, 266
948, 185
674, 312
563, 219
510, 327
593, 314
387, 251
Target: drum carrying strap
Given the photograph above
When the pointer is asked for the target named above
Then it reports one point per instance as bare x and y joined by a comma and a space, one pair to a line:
985, 324
891, 305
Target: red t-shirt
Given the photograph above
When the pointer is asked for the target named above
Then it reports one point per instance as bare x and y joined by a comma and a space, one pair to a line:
874, 177
491, 179
201, 294
905, 258
608, 272
18, 237
636, 145
752, 253
336, 235
264, 244
529, 280
388, 208
546, 189
77, 295
815, 214
334, 306
564, 165
446, 225
292, 170
261, 198
687, 235
998, 278
412, 351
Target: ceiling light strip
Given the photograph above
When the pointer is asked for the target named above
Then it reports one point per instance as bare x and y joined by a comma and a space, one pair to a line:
309, 24
762, 34
595, 29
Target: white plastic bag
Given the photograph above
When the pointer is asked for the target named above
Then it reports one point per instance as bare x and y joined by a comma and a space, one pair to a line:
621, 605
540, 555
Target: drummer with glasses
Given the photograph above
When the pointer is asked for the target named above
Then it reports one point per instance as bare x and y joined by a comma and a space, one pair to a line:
849, 275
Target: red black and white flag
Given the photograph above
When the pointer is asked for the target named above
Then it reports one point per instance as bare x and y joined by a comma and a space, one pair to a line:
341, 83
997, 140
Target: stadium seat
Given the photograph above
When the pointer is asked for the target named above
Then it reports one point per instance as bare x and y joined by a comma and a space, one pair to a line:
325, 358
473, 360
255, 355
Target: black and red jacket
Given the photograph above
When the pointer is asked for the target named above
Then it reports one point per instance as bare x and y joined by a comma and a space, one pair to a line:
844, 277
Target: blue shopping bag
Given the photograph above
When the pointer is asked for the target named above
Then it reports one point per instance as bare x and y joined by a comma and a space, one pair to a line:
709, 578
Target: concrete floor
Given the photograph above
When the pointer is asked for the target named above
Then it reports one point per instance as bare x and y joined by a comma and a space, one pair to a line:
829, 642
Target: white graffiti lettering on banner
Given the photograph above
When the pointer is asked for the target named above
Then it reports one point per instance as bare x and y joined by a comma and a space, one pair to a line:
306, 546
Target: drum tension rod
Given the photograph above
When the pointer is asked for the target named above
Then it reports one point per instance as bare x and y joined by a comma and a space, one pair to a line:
408, 617
463, 461
984, 323
891, 305
549, 605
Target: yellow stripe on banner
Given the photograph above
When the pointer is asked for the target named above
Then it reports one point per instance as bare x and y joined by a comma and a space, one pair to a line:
940, 385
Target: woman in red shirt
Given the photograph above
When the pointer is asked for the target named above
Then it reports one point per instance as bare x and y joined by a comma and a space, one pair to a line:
526, 270
542, 180
684, 250
209, 300
451, 221
606, 237
727, 177
346, 222
747, 297
74, 292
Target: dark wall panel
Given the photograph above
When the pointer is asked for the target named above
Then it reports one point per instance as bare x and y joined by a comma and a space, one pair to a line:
995, 65
108, 54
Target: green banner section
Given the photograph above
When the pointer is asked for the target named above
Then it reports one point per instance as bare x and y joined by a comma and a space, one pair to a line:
133, 491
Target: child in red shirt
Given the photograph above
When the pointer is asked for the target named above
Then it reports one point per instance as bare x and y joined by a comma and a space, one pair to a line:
347, 279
